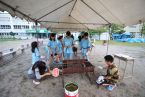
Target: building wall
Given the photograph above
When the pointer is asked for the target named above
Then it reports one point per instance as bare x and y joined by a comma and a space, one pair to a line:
13, 24
134, 29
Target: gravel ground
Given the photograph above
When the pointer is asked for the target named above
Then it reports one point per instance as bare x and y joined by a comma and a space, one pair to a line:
14, 81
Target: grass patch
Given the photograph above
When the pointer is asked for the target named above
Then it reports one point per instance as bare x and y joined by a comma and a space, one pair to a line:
122, 43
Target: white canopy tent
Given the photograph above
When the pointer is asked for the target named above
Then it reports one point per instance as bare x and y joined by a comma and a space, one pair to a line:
76, 14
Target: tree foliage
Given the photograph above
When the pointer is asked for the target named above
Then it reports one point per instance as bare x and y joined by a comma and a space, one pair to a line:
117, 28
12, 34
98, 30
143, 28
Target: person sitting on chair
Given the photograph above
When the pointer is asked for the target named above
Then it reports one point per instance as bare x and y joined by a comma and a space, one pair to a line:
112, 76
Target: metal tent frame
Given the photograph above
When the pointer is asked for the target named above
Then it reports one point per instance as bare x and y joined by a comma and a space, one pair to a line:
38, 20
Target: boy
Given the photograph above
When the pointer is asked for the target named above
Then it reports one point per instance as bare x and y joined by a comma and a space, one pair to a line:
112, 76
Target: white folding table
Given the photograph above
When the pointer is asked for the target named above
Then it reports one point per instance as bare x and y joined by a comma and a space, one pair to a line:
125, 58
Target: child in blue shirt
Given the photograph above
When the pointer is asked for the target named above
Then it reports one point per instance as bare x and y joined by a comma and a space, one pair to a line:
85, 45
54, 49
60, 46
35, 52
47, 53
52, 44
68, 44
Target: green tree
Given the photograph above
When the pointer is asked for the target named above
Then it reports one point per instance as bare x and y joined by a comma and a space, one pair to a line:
98, 30
12, 34
117, 28
143, 28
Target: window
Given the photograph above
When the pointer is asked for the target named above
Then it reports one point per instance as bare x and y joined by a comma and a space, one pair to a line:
132, 26
21, 26
17, 27
4, 19
5, 26
27, 27
8, 27
24, 27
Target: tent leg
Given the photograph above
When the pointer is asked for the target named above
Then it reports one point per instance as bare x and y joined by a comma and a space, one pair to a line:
108, 39
36, 24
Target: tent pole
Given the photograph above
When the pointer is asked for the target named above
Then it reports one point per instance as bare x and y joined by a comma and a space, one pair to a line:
72, 8
36, 24
54, 10
141, 27
108, 39
72, 22
95, 12
69, 28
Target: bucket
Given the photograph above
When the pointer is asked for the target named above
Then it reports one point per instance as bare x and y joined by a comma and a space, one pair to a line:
71, 90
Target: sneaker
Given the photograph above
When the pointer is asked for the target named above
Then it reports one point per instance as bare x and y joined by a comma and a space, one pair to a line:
36, 82
111, 87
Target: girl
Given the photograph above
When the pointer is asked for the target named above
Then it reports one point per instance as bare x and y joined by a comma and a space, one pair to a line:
38, 71
68, 43
52, 49
35, 52
85, 45
60, 46
47, 58
47, 52
52, 45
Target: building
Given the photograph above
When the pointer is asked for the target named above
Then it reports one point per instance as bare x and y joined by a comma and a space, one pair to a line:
9, 24
134, 29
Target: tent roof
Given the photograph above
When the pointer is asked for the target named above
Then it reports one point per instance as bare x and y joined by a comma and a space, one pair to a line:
77, 14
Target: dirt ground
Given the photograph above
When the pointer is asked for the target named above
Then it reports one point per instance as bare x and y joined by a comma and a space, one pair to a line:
15, 83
